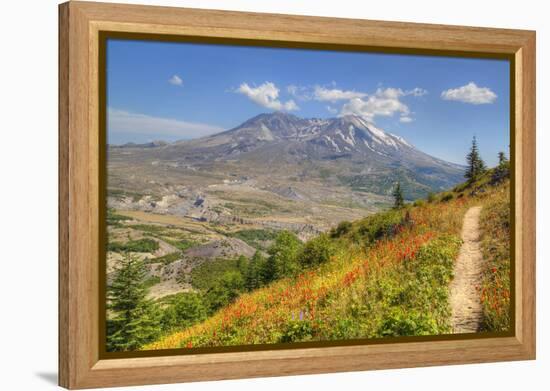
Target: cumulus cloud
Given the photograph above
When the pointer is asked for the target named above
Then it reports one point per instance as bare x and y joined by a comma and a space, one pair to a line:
384, 103
120, 121
333, 94
470, 93
266, 95
175, 80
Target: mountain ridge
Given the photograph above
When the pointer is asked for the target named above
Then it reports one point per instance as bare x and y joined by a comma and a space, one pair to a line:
280, 148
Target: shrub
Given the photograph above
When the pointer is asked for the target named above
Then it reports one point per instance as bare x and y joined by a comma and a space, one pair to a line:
431, 197
297, 330
419, 202
316, 251
379, 225
446, 197
225, 290
343, 228
399, 323
185, 310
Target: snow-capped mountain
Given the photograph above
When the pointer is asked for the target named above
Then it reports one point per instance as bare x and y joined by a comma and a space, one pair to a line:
348, 150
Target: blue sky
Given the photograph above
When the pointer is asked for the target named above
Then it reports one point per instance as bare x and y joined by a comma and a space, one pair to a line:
173, 91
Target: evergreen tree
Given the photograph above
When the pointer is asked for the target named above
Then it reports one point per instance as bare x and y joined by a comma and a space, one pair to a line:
135, 319
185, 310
253, 278
242, 264
225, 290
475, 164
282, 261
398, 201
503, 169
502, 159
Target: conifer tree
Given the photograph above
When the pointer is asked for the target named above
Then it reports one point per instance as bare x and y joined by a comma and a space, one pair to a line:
135, 319
253, 278
503, 169
398, 201
475, 164
282, 261
502, 159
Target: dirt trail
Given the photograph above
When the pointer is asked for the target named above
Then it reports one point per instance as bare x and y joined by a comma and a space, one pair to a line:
465, 304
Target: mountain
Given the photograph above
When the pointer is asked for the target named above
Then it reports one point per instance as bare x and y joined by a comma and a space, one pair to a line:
347, 150
151, 144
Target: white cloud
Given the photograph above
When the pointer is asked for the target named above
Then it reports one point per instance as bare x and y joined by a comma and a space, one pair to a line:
266, 95
120, 121
470, 93
406, 119
332, 110
299, 92
384, 102
417, 91
334, 94
175, 80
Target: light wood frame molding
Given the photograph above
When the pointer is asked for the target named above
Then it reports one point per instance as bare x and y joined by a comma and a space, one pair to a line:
80, 365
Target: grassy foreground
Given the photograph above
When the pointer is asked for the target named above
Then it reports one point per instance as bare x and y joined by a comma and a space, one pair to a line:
388, 276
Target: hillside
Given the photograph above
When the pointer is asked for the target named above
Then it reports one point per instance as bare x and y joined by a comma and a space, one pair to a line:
384, 275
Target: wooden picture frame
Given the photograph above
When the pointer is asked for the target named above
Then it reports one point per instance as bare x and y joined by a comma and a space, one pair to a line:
80, 26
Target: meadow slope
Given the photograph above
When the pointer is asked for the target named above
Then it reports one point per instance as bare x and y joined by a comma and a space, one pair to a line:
388, 275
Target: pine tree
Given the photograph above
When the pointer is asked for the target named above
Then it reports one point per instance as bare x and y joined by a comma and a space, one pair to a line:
502, 170
476, 166
502, 159
398, 202
253, 278
135, 319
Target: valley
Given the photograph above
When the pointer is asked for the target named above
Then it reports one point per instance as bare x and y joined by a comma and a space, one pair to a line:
224, 196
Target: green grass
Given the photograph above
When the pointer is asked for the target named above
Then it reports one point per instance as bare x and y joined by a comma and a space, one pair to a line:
204, 276
256, 238
182, 244
115, 219
166, 259
372, 228
495, 244
121, 194
149, 228
137, 246
154, 280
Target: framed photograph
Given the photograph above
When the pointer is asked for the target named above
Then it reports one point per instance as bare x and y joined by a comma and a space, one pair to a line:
246, 195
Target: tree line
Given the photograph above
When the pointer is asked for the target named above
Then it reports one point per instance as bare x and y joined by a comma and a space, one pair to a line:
475, 168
